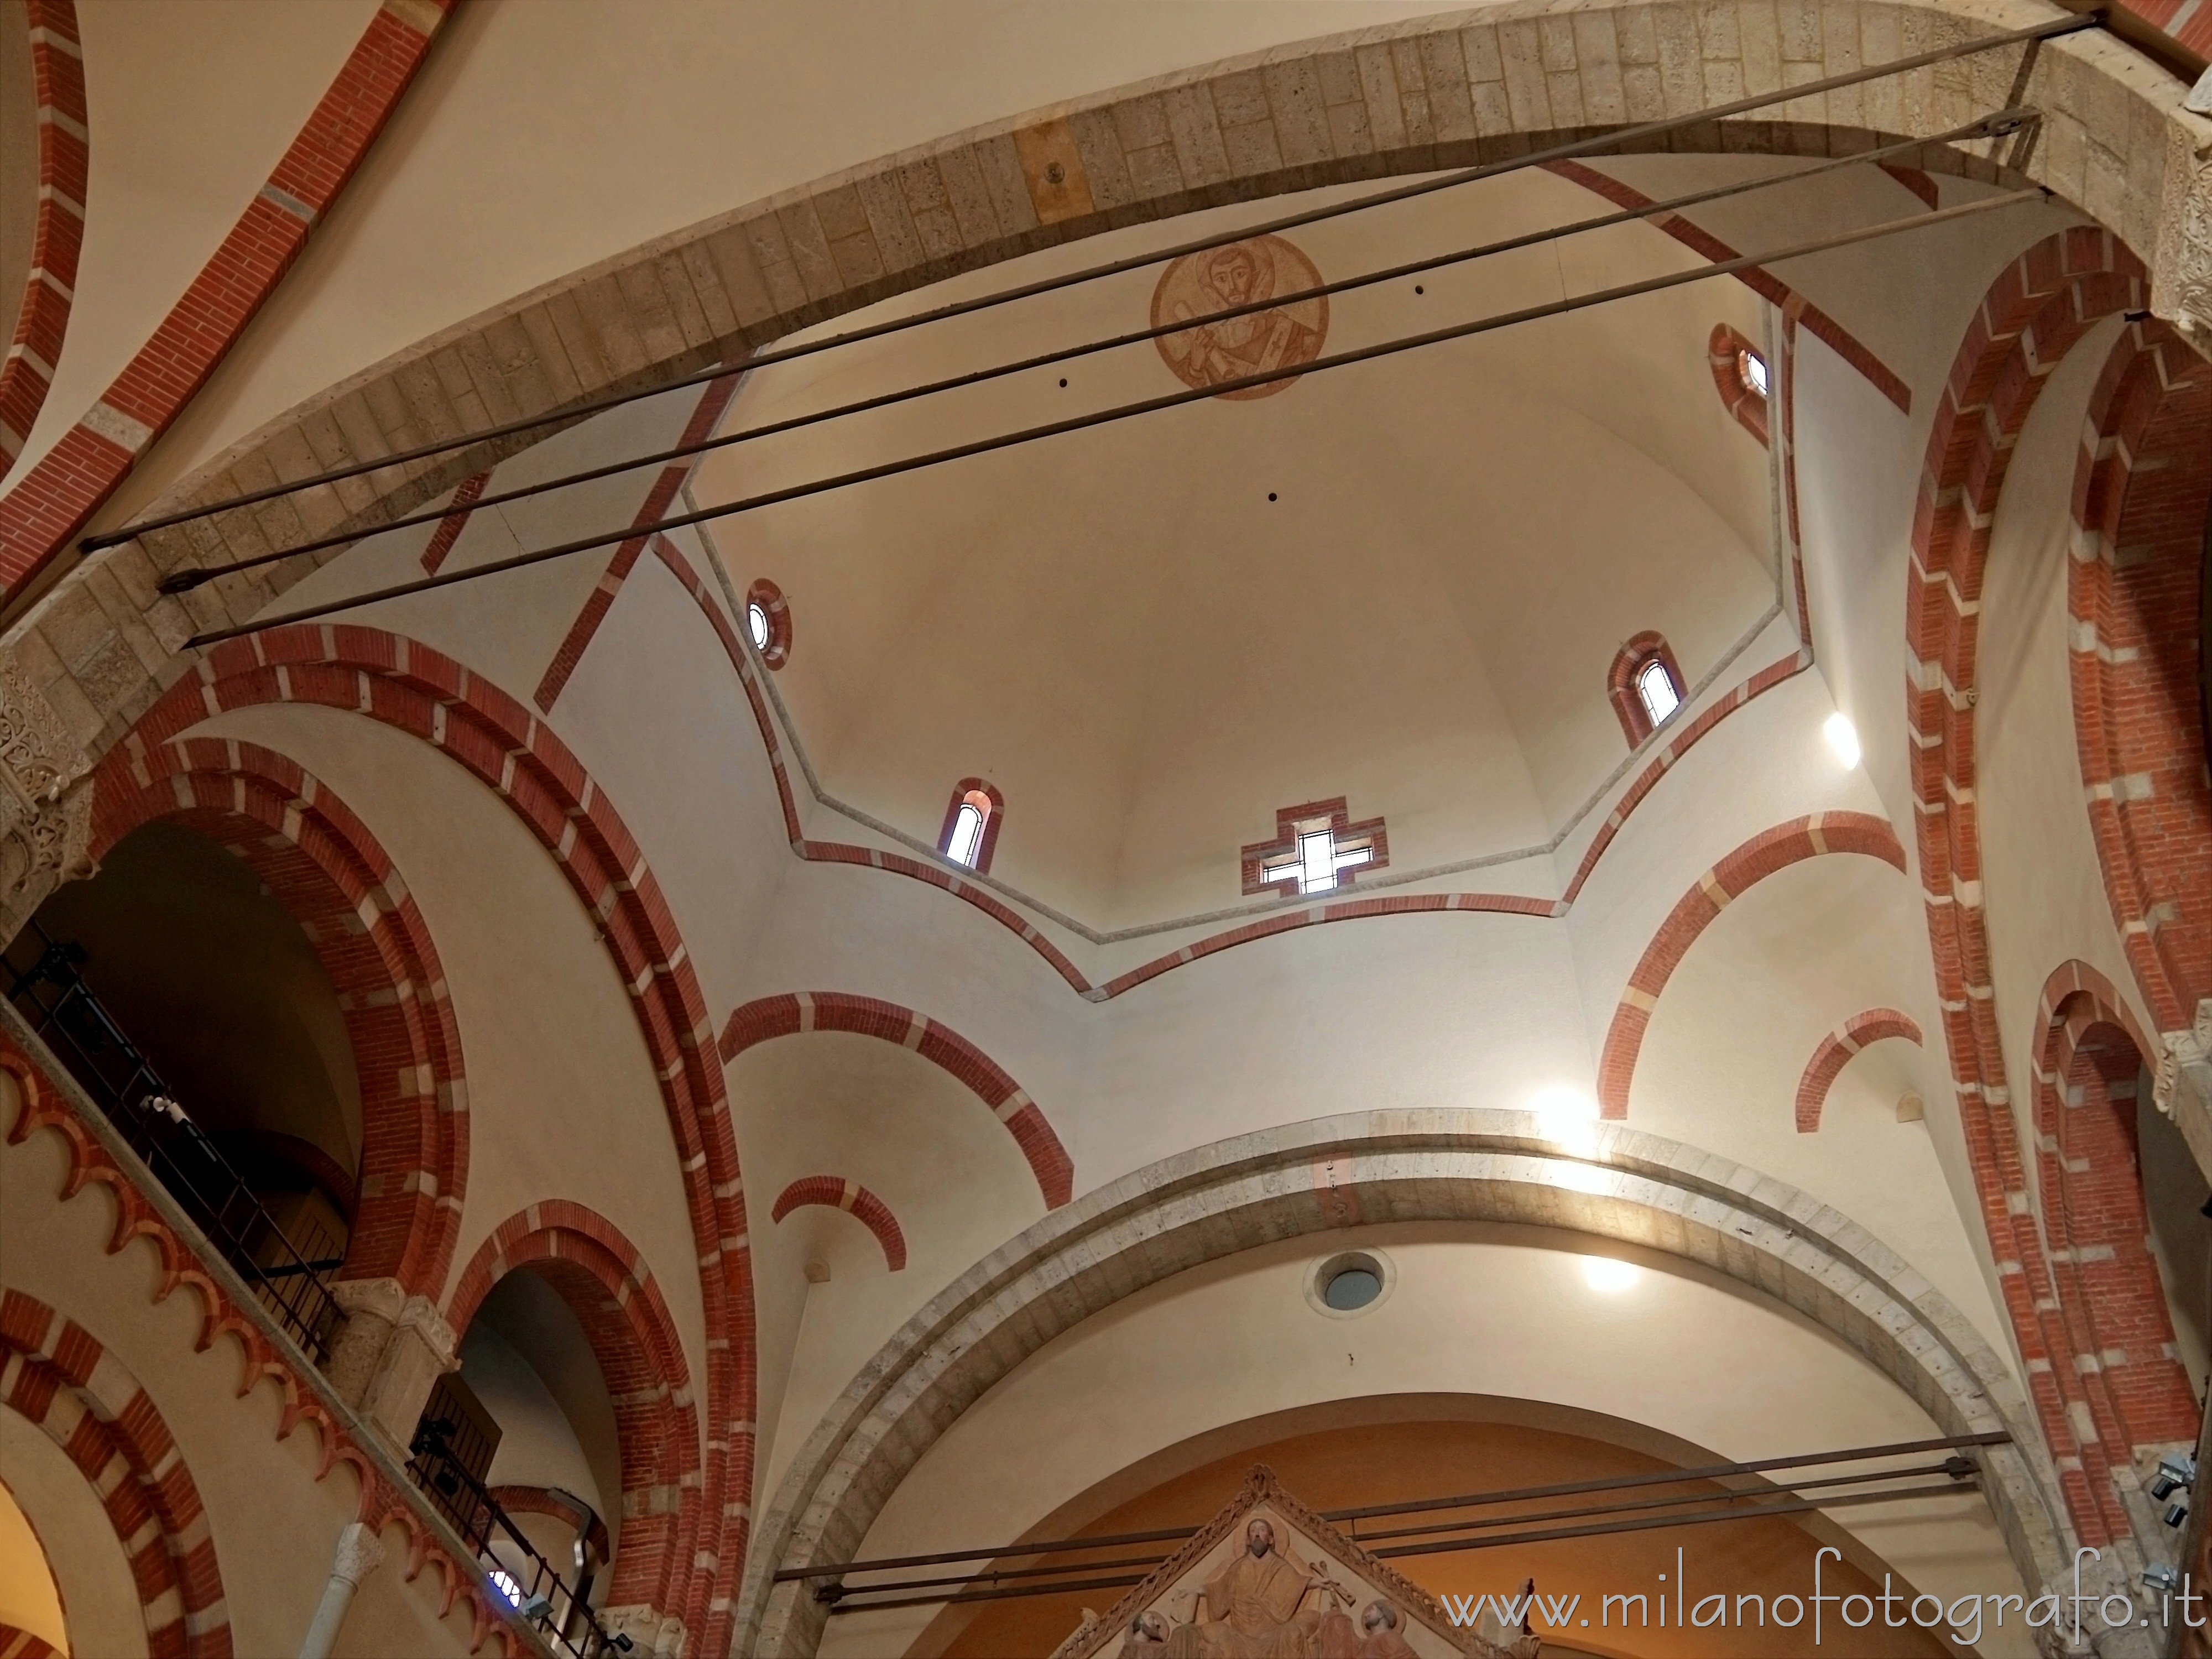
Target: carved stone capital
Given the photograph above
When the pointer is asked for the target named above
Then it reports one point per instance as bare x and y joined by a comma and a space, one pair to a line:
2181, 1088
2181, 266
653, 1636
388, 1355
360, 1553
45, 799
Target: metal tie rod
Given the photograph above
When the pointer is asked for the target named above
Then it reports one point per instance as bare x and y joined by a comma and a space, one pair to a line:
2052, 30
1125, 411
2001, 122
1958, 1468
1450, 1547
1464, 1500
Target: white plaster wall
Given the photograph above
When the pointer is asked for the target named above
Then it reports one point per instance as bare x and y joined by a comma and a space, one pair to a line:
1474, 1310
1781, 967
835, 1103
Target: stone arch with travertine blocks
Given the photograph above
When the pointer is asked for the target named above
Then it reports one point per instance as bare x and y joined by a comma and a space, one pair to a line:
1436, 92
1211, 1202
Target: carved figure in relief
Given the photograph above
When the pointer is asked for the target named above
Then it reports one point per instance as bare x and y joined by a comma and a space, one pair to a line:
1255, 1609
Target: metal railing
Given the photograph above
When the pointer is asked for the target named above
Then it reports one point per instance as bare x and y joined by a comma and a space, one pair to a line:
289, 1272
532, 1584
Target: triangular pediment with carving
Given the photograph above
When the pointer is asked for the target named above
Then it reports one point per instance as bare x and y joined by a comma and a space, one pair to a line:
1305, 1591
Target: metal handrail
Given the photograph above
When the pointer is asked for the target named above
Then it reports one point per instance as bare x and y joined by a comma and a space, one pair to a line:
290, 1277
547, 1601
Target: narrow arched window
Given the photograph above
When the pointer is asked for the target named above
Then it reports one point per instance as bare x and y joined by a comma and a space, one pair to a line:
1742, 377
1645, 686
1655, 687
970, 834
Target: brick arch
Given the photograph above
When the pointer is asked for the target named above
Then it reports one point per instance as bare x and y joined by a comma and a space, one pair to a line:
1761, 856
2124, 1389
604, 1280
57, 1376
2134, 593
402, 683
836, 1193
2032, 314
58, 225
21, 1645
838, 1010
328, 870
1724, 354
1836, 1051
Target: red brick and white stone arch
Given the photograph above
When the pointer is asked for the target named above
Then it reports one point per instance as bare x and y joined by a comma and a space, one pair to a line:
21, 1645
2119, 1369
57, 224
324, 866
838, 1010
2134, 594
606, 1283
2036, 311
1765, 853
56, 1375
406, 685
46, 506
1836, 1051
836, 1192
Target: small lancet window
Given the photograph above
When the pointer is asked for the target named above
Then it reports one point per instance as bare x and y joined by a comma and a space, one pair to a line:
1645, 686
1751, 369
756, 621
1655, 687
971, 824
968, 833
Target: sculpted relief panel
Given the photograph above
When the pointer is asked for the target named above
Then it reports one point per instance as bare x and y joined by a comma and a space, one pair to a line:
1269, 1579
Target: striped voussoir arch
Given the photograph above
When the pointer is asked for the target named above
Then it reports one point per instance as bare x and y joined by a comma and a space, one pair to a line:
326, 866
836, 1193
2037, 309
57, 224
411, 688
837, 1010
605, 1280
58, 1376
1761, 856
1836, 1051
2134, 595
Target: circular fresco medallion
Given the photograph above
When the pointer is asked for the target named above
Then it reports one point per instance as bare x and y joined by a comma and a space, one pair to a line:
1223, 278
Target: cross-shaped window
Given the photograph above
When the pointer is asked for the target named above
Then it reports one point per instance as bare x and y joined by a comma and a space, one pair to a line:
1317, 845
1316, 858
